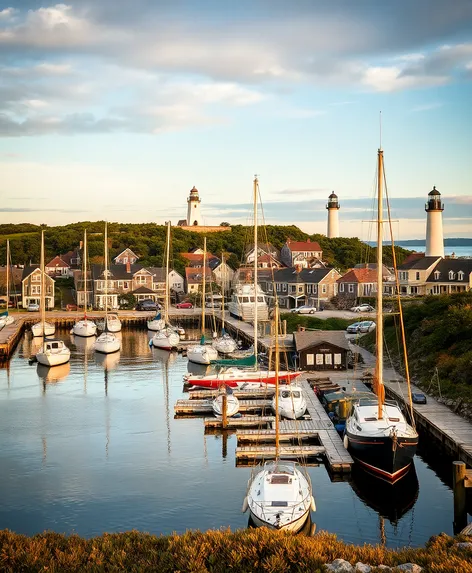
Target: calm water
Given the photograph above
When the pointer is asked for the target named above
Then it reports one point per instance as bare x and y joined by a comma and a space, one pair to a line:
95, 447
458, 250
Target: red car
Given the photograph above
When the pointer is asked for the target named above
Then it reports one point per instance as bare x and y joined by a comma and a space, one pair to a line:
184, 305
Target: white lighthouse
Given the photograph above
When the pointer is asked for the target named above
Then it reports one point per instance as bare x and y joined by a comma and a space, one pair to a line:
434, 229
333, 217
194, 217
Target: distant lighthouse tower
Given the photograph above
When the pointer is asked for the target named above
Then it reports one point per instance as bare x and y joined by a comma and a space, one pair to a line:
434, 229
333, 218
193, 211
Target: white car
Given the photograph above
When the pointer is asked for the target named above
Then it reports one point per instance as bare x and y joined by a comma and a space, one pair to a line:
305, 309
363, 308
33, 307
361, 327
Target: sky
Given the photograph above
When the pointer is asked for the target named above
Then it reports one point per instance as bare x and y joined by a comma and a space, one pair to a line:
114, 110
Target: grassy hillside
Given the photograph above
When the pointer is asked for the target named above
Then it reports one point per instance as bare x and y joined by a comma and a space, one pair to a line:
439, 337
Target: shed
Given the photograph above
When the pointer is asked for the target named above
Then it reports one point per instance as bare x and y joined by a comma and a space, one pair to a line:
322, 349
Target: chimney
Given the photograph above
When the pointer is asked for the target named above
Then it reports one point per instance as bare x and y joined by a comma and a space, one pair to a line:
298, 268
128, 267
81, 244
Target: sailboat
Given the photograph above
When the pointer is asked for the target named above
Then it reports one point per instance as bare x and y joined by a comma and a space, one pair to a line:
238, 377
5, 318
377, 433
279, 494
232, 403
224, 344
107, 342
43, 328
85, 327
202, 353
166, 338
53, 351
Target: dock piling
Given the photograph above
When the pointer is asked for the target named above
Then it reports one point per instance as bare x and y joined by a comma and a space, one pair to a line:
459, 485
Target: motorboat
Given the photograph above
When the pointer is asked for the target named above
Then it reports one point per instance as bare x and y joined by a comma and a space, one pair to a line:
291, 402
53, 352
232, 403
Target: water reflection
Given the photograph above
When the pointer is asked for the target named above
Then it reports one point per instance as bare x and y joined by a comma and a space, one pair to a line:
308, 529
53, 374
83, 345
107, 361
390, 501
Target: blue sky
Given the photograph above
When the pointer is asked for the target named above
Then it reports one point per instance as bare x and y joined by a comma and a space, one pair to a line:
116, 109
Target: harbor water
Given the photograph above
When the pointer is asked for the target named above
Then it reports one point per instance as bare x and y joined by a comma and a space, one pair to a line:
93, 446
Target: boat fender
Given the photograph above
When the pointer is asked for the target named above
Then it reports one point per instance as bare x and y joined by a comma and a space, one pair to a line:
346, 441
245, 505
313, 504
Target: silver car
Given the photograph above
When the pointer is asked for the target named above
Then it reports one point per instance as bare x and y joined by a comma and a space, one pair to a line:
305, 309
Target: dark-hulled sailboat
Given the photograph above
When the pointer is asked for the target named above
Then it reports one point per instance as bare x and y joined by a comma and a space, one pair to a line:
377, 433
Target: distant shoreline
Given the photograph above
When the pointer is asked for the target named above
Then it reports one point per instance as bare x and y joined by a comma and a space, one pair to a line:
453, 242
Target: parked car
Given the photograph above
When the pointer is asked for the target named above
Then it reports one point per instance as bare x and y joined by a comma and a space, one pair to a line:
361, 327
33, 307
363, 308
148, 304
214, 304
305, 309
418, 398
185, 304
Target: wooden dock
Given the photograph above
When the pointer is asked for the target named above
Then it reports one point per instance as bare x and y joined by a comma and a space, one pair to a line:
240, 394
9, 337
242, 422
258, 452
205, 407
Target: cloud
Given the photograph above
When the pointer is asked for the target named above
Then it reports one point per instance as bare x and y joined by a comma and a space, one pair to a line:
427, 106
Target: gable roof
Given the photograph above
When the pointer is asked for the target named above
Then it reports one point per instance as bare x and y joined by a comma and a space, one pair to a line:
14, 278
28, 270
123, 252
57, 261
418, 263
359, 276
119, 272
143, 290
454, 265
309, 338
264, 247
67, 257
195, 275
303, 245
290, 275
158, 273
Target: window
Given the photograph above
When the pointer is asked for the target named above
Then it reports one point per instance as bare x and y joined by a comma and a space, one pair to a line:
36, 277
278, 287
300, 289
36, 289
350, 288
460, 275
437, 274
126, 284
417, 276
452, 275
323, 289
337, 359
308, 289
314, 289
284, 287
341, 287
310, 359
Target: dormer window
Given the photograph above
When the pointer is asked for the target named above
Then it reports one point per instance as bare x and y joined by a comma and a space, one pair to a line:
460, 275
452, 275
437, 274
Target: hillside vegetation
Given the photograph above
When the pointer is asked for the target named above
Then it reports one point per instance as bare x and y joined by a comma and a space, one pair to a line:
148, 241
439, 339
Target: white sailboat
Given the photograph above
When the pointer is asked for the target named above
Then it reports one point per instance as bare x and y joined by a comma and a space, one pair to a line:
202, 353
279, 494
225, 395
224, 344
377, 433
156, 323
53, 352
107, 342
5, 318
85, 327
237, 377
166, 338
43, 328
290, 402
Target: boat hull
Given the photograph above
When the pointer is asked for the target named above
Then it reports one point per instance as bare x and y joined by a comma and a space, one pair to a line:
165, 340
232, 405
201, 354
383, 456
37, 329
84, 328
245, 379
225, 345
156, 325
107, 343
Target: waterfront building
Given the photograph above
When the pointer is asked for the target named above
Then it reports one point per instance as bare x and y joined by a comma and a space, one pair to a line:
304, 253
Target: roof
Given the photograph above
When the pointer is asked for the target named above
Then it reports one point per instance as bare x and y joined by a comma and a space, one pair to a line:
57, 262
419, 263
123, 252
385, 270
28, 270
333, 196
143, 290
117, 271
359, 276
290, 275
159, 274
195, 275
197, 257
303, 245
309, 338
412, 257
14, 278
434, 191
454, 265
182, 223
70, 255
265, 247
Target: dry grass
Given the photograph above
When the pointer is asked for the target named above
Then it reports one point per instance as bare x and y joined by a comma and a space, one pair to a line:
249, 550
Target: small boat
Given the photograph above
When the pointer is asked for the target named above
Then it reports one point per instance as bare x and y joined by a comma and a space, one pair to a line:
84, 327
232, 403
156, 323
113, 323
291, 402
166, 338
107, 342
53, 352
237, 378
38, 330
5, 318
224, 344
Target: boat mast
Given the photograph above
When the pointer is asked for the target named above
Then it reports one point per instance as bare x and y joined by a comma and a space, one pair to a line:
203, 286
256, 183
8, 275
277, 366
166, 301
223, 281
379, 328
43, 287
85, 274
106, 278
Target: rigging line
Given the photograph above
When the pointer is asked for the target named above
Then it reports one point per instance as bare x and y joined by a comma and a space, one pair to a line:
402, 324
